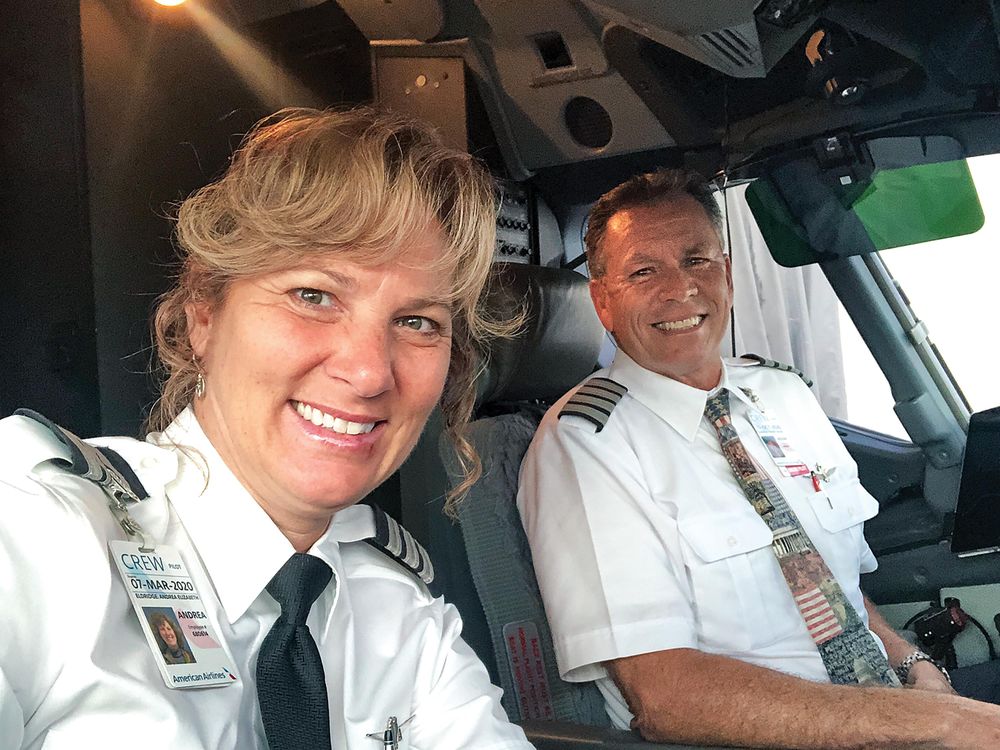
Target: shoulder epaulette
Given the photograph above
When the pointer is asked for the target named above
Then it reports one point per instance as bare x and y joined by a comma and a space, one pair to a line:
594, 401
764, 362
102, 466
396, 542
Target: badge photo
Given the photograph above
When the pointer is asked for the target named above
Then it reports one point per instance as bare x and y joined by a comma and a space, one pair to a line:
168, 635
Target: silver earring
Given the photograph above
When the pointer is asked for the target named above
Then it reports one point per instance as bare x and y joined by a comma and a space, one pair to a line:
199, 381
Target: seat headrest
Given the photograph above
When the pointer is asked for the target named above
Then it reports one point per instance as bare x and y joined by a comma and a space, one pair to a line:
560, 340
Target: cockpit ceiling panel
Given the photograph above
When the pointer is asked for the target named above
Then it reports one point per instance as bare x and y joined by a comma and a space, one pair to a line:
396, 19
682, 17
722, 35
539, 122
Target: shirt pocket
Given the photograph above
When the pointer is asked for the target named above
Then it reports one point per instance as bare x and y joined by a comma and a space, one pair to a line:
841, 510
724, 555
843, 506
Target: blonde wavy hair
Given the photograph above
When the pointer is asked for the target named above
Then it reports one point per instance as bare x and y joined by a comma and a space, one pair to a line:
358, 184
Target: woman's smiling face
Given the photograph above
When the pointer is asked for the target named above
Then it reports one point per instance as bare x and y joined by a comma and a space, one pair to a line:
320, 378
168, 635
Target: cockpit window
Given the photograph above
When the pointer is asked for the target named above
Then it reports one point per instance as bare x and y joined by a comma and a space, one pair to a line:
936, 228
951, 285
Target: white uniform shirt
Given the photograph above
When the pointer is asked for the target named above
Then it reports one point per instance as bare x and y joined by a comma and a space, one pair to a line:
643, 541
75, 669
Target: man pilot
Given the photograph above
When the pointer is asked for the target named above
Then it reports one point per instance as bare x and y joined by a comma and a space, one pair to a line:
709, 586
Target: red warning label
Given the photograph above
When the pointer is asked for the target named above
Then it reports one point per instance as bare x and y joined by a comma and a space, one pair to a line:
531, 684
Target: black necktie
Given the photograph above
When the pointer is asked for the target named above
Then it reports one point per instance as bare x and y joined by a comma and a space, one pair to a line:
291, 688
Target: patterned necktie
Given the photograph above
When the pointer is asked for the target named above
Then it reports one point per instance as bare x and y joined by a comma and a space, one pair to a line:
291, 687
849, 651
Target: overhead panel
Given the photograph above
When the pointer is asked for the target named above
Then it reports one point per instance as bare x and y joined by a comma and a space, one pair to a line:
558, 99
396, 19
725, 36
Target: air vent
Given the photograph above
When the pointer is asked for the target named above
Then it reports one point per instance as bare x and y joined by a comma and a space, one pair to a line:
729, 45
735, 50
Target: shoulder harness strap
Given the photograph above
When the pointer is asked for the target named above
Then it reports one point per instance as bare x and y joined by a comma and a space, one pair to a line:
398, 543
594, 401
764, 362
102, 466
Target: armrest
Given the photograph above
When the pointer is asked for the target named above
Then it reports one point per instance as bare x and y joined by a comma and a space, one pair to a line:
562, 735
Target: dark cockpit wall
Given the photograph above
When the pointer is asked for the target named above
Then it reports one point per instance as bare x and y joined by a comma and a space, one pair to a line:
112, 111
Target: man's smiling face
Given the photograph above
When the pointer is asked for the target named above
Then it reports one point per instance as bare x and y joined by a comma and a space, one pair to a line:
667, 289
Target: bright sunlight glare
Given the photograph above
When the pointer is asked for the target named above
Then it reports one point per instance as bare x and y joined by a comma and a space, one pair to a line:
273, 85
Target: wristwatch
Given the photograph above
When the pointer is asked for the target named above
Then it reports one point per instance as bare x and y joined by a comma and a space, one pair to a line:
904, 667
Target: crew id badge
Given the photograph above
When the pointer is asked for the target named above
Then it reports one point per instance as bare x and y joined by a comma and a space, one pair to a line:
776, 442
172, 616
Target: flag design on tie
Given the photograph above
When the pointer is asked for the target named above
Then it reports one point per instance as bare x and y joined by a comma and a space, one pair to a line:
821, 620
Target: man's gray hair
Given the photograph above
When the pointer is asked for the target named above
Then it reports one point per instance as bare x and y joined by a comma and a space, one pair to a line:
645, 190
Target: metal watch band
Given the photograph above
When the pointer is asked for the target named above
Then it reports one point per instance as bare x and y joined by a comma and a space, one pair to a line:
903, 670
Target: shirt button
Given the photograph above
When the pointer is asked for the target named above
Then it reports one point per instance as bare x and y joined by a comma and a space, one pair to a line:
732, 541
148, 462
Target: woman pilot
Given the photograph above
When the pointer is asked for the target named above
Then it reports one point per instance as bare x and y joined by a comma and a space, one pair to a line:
328, 300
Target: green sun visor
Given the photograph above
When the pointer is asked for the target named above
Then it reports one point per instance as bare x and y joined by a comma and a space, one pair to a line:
808, 215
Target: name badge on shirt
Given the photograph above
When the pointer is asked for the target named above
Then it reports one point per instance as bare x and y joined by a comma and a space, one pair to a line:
172, 616
776, 442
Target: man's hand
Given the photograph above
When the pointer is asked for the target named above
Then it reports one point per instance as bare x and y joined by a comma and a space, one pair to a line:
925, 676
